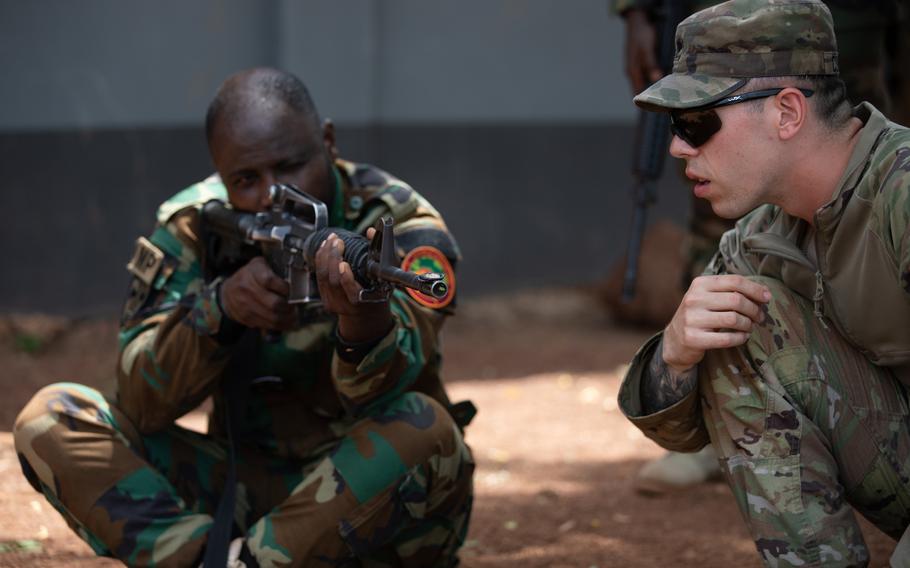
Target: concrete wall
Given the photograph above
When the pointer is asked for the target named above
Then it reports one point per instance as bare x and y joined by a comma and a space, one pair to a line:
513, 117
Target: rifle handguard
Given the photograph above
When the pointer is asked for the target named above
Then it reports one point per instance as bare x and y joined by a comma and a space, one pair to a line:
368, 271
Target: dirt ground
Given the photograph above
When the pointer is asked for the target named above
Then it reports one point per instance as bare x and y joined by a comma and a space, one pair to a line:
556, 459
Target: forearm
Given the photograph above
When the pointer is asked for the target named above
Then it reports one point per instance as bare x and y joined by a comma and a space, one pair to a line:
662, 386
394, 363
679, 426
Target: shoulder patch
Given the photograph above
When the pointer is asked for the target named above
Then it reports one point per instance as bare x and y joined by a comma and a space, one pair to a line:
146, 261
425, 259
145, 265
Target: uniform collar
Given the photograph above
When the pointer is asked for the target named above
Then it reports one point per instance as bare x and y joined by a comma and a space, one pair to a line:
874, 123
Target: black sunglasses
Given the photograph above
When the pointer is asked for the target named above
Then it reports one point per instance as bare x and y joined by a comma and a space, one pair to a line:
696, 126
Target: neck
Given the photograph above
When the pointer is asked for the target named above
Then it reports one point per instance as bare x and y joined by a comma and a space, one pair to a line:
818, 164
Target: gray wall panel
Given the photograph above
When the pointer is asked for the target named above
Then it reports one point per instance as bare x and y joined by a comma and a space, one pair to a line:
530, 205
332, 46
73, 205
120, 64
512, 60
111, 63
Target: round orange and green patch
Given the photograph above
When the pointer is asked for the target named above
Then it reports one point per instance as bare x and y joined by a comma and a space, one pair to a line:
422, 260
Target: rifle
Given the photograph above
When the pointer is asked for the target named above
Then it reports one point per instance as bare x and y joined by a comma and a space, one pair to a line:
652, 143
288, 234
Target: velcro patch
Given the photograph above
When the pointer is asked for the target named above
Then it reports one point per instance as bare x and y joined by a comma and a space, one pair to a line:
425, 259
146, 261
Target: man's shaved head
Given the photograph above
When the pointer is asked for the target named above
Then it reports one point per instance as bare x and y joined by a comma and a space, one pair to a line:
260, 89
263, 129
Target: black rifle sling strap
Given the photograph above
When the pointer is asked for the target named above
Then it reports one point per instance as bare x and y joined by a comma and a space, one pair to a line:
236, 386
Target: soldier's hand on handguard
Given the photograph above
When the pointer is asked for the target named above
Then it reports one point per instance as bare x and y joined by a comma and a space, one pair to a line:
358, 321
717, 312
257, 297
642, 67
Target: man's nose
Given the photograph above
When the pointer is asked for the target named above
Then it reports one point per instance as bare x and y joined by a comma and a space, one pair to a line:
679, 148
263, 194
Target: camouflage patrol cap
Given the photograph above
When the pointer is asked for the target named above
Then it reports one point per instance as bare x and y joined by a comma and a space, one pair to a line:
720, 48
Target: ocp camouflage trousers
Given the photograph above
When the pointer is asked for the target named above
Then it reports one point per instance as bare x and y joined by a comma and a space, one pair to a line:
808, 431
395, 490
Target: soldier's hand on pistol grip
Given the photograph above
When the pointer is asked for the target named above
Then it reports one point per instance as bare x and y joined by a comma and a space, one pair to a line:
642, 67
357, 321
717, 312
256, 297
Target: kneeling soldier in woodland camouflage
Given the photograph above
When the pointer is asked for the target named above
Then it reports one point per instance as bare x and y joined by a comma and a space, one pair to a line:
332, 420
792, 353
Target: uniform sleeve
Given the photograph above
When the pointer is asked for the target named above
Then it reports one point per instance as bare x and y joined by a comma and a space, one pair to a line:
170, 356
394, 365
900, 223
680, 427
409, 356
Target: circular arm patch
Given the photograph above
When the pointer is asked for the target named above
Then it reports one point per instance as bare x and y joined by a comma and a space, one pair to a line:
425, 259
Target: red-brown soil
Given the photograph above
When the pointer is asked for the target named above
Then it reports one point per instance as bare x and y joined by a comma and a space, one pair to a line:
555, 458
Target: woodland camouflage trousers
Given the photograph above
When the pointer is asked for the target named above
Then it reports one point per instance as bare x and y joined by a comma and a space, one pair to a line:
395, 490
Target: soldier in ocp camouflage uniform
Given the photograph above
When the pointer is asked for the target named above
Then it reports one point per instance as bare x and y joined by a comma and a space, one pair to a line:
871, 37
792, 353
346, 450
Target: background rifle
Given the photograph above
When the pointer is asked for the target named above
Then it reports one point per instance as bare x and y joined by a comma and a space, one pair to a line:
288, 234
652, 140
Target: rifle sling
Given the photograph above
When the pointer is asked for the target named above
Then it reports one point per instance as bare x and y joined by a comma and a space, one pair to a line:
236, 386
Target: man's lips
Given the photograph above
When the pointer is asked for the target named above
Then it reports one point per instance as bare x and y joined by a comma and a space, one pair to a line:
694, 177
701, 184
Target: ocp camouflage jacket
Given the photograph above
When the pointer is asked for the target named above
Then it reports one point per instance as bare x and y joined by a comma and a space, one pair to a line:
857, 272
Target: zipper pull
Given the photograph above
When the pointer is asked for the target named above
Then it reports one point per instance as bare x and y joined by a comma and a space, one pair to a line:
817, 299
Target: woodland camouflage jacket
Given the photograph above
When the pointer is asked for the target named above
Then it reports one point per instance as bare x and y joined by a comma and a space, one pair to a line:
172, 356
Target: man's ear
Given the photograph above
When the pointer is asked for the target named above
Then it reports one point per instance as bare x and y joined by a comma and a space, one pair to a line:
792, 110
328, 138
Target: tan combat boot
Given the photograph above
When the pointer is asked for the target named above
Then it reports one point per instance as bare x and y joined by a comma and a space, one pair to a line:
674, 471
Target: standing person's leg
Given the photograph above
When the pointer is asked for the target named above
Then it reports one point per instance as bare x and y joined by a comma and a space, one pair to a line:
143, 499
804, 425
676, 471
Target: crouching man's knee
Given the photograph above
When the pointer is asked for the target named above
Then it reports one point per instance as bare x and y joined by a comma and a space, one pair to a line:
431, 482
788, 320
61, 421
415, 430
